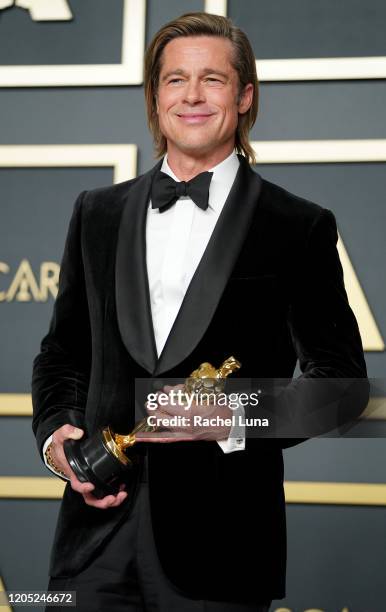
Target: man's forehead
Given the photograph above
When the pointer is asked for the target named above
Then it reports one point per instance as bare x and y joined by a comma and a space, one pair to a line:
214, 62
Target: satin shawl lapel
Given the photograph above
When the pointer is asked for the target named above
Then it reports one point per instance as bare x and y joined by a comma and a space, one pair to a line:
131, 280
214, 269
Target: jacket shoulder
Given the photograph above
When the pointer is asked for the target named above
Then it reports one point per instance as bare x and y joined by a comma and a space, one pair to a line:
109, 194
287, 205
103, 206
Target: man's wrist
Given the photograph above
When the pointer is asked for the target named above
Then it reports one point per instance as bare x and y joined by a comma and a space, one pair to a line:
50, 461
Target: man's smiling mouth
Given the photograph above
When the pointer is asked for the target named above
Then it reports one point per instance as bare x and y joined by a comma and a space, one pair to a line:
195, 117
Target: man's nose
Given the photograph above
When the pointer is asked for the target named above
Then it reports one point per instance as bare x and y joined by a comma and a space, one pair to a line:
193, 91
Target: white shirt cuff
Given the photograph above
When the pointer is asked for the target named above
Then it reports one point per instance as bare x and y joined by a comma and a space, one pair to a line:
236, 438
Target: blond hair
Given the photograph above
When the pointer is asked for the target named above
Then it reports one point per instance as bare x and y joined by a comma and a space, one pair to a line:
243, 61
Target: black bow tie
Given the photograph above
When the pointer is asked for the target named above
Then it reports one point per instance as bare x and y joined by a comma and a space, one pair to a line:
165, 191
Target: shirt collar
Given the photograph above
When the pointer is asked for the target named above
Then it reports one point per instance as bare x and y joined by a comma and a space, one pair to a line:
224, 174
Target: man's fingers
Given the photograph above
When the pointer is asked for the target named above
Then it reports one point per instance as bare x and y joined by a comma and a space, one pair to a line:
119, 499
60, 458
176, 408
165, 408
168, 388
80, 487
109, 501
86, 489
163, 436
67, 431
58, 438
103, 503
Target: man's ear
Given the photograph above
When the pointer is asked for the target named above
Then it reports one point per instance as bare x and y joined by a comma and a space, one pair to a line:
245, 98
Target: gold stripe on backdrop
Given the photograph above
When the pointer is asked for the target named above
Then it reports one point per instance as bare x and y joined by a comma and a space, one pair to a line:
336, 493
121, 157
15, 404
20, 404
296, 492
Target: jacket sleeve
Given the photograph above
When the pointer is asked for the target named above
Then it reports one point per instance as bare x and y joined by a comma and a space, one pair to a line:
60, 373
333, 388
323, 327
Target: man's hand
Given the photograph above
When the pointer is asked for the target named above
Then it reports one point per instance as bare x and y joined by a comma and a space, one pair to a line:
84, 488
187, 430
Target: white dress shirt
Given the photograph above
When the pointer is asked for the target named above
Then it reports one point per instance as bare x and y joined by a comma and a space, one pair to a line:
175, 243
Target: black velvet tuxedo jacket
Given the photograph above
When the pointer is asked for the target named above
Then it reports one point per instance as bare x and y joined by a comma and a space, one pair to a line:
268, 290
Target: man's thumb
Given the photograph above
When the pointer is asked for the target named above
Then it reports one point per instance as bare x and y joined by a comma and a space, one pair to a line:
76, 433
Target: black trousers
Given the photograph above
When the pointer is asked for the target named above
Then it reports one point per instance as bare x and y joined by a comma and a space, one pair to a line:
127, 575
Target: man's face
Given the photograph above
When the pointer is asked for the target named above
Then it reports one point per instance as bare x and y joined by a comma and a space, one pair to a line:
197, 95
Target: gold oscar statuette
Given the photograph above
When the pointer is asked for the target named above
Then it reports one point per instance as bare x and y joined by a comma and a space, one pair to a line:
101, 459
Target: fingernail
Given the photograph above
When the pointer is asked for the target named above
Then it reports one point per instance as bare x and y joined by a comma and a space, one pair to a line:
76, 433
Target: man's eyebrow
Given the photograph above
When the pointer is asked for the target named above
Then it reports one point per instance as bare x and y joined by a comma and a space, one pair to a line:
204, 71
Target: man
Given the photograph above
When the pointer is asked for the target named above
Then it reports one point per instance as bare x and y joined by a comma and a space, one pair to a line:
156, 278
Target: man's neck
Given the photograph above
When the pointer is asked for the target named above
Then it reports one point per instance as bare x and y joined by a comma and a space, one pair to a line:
185, 167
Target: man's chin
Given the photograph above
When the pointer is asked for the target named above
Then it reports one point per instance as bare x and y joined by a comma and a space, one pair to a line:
195, 147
